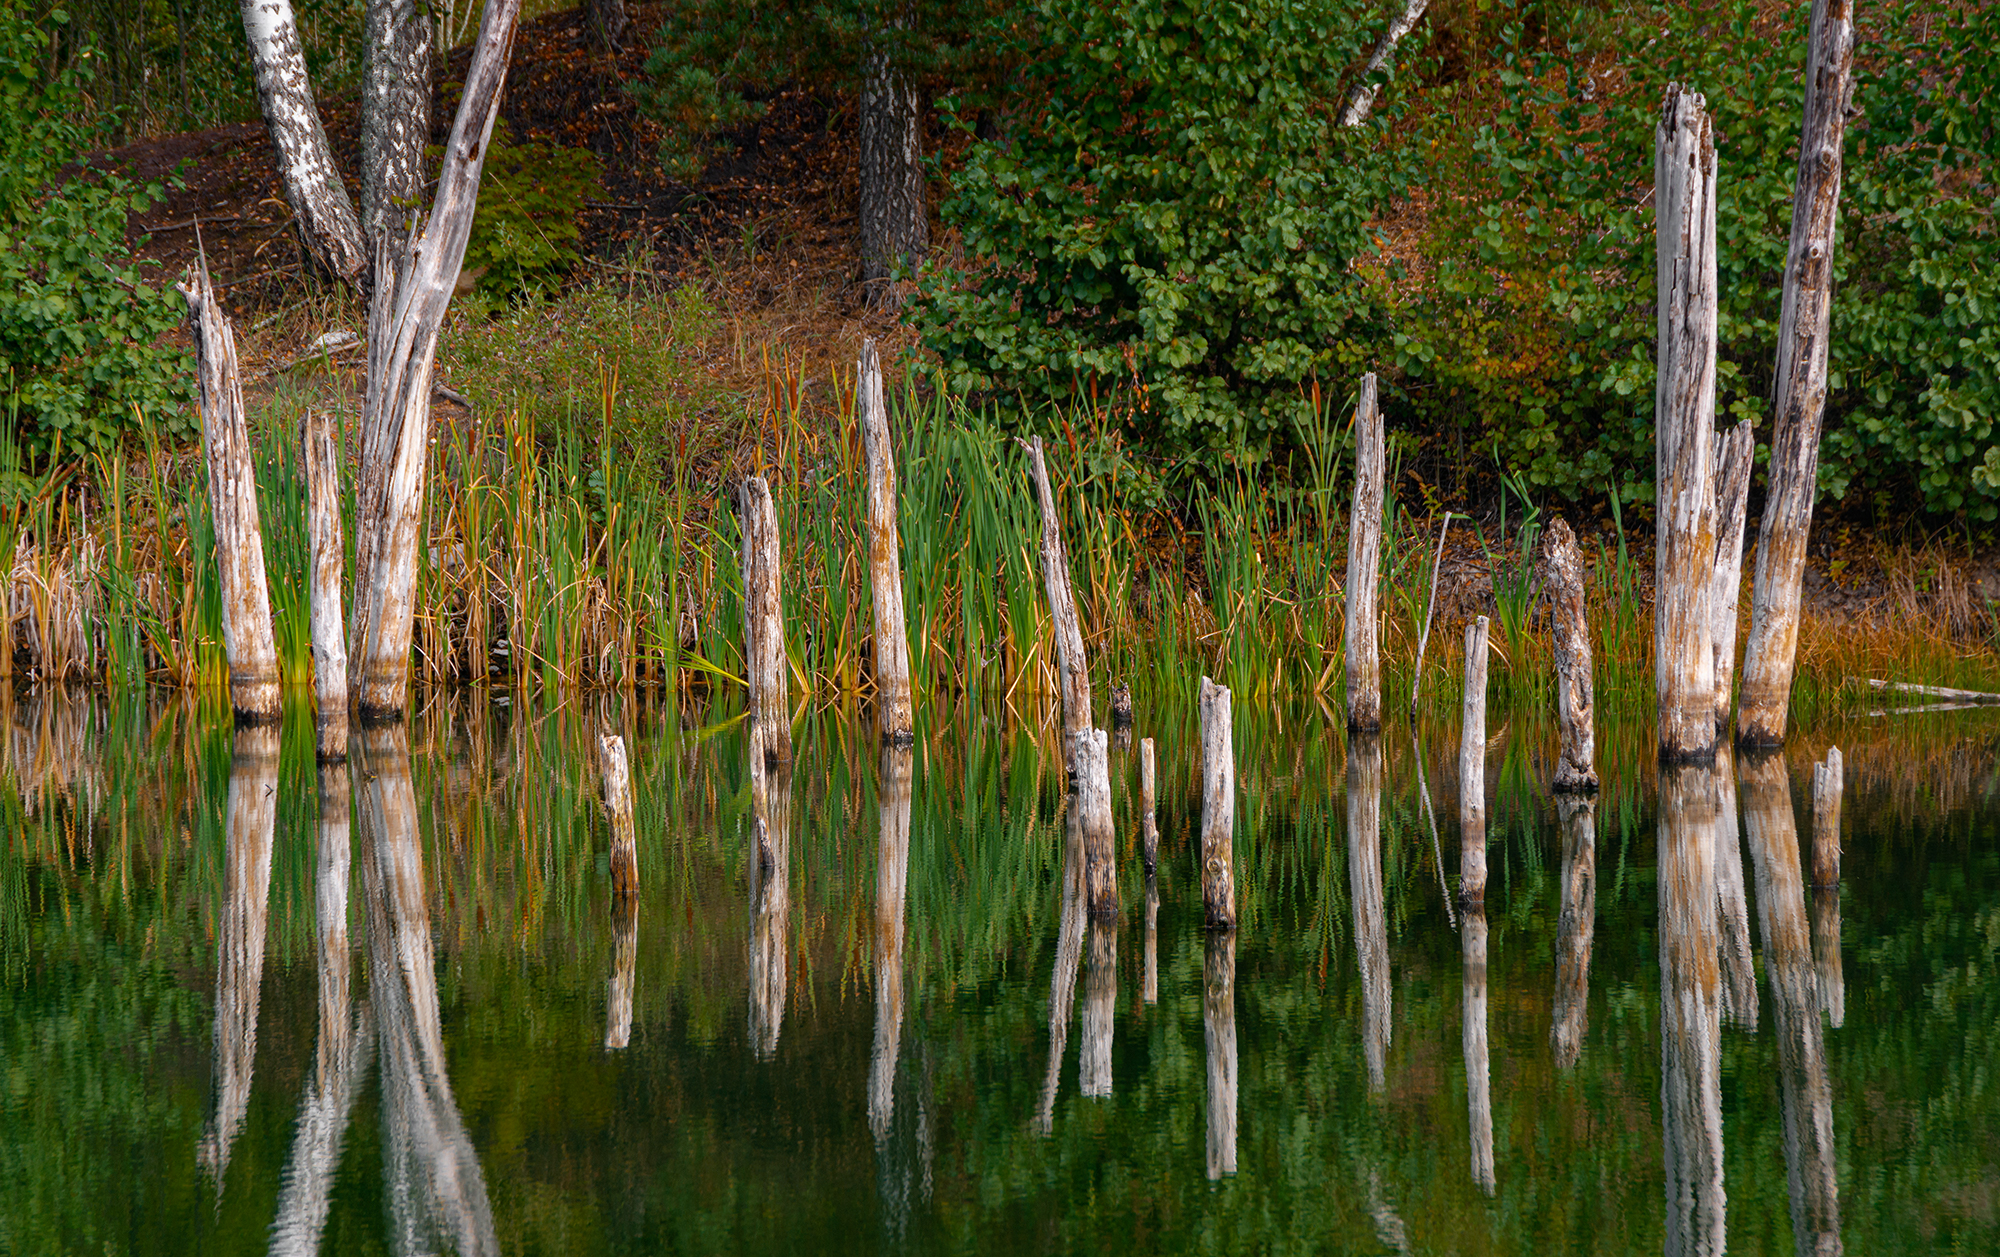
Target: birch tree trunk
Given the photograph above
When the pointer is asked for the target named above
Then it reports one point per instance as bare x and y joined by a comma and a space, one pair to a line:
313, 188
893, 715
232, 497
1364, 558
1735, 452
1361, 98
1684, 548
894, 229
402, 346
1072, 666
395, 117
1562, 577
1804, 323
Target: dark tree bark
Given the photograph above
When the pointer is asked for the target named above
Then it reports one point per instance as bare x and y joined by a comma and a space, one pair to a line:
894, 229
608, 21
395, 116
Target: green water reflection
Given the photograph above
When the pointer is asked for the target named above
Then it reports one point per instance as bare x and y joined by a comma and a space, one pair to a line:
251, 1004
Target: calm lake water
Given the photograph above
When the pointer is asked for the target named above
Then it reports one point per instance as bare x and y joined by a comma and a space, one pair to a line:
250, 1005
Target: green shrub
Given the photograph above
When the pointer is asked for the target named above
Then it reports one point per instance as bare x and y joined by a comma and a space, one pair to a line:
81, 357
525, 231
1175, 218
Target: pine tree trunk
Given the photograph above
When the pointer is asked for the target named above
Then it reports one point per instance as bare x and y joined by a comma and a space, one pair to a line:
318, 199
395, 117
894, 229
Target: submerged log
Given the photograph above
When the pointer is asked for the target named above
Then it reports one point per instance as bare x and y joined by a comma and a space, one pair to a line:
1218, 808
1364, 880
1472, 772
319, 448
1072, 667
1966, 698
1684, 409
1735, 451
232, 498
763, 626
1149, 829
894, 717
1562, 578
1218, 1032
1690, 1013
1364, 560
1576, 927
1828, 782
1090, 803
618, 806
1805, 322
1472, 1039
892, 877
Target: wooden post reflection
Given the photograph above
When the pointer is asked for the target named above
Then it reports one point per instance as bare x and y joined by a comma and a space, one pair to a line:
1804, 1089
1364, 879
1576, 927
1826, 954
344, 1038
892, 874
1100, 994
1472, 1034
1149, 985
250, 819
436, 1192
1069, 949
1739, 974
1690, 1012
624, 964
1218, 1024
770, 898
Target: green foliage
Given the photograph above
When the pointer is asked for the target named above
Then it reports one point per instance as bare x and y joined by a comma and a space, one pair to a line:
1178, 217
525, 231
1533, 331
80, 330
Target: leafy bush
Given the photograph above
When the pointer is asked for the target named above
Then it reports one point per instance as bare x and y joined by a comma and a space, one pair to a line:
80, 330
525, 230
1176, 218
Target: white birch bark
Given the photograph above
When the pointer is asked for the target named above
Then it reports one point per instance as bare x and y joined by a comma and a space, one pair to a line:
395, 116
318, 199
1361, 98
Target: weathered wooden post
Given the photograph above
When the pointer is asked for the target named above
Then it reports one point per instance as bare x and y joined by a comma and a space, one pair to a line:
1218, 1032
1735, 451
1796, 1004
1472, 771
1562, 578
1805, 321
1100, 998
1364, 880
624, 966
1828, 781
1149, 829
1684, 409
232, 496
1690, 1011
618, 806
763, 625
1218, 808
1472, 1039
319, 448
1090, 802
1576, 927
894, 716
1072, 668
1364, 561
251, 820
892, 877
406, 310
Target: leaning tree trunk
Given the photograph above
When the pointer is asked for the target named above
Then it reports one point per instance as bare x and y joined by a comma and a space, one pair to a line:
312, 185
1361, 98
894, 230
1804, 321
402, 345
395, 116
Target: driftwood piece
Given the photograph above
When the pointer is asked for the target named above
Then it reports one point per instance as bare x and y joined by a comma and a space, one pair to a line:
1829, 779
1090, 803
1690, 1012
1684, 409
1364, 560
763, 625
1805, 322
1472, 771
1576, 927
1562, 578
1218, 1033
1735, 451
892, 878
618, 806
1472, 1040
232, 495
406, 310
1149, 829
319, 447
1072, 667
1957, 698
1218, 808
1364, 880
894, 717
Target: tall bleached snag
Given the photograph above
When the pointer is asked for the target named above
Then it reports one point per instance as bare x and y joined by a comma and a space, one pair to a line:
1805, 321
1562, 579
1684, 409
893, 716
1090, 805
320, 449
406, 310
1735, 452
1218, 808
1072, 666
763, 626
1472, 773
1364, 559
232, 495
